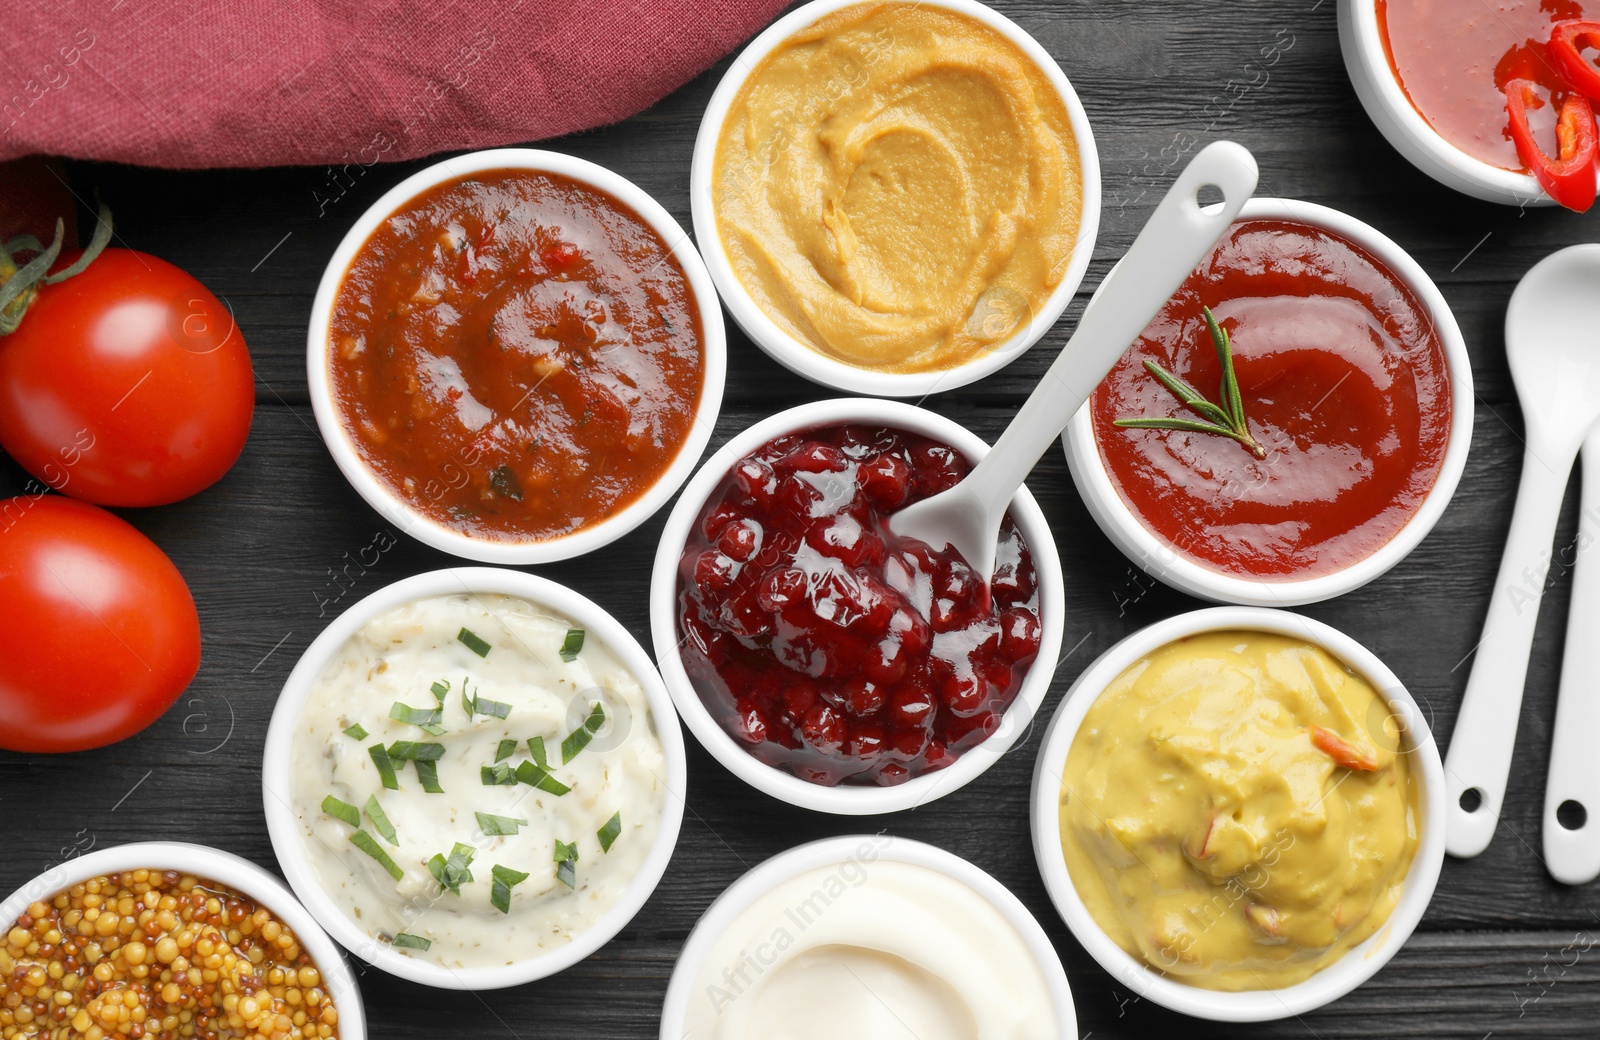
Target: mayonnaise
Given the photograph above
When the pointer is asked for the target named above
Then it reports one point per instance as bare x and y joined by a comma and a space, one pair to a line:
871, 950
426, 656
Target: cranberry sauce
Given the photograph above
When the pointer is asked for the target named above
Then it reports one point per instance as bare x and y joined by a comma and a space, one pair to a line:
832, 648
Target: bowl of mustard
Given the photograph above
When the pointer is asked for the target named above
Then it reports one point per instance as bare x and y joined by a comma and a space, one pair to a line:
1236, 812
897, 197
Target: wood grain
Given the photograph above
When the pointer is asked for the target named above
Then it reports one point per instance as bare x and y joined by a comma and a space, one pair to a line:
269, 551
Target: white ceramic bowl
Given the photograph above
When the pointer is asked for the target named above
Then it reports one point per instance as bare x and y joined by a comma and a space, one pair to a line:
801, 358
225, 868
1334, 981
850, 799
1367, 62
1187, 574
862, 849
285, 829
395, 509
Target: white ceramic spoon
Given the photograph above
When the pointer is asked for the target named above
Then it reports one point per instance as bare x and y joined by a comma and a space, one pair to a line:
1573, 854
1177, 237
1552, 345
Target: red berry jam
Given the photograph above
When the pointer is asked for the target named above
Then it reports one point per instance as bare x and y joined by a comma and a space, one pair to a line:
832, 648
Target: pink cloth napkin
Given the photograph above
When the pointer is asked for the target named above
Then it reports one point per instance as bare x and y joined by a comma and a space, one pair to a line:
198, 83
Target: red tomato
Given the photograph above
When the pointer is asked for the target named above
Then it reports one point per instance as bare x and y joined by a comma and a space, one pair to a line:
98, 632
126, 385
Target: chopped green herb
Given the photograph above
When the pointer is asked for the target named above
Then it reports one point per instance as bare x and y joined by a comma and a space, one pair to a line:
427, 718
452, 873
608, 833
380, 758
474, 642
407, 941
341, 811
504, 879
410, 750
456, 867
572, 645
507, 748
485, 706
536, 749
473, 704
428, 773
533, 776
499, 775
503, 480
355, 730
368, 844
566, 859
579, 738
495, 826
380, 820
440, 688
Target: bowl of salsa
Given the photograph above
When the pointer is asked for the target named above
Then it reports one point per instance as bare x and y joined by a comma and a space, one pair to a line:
1436, 75
1353, 394
516, 356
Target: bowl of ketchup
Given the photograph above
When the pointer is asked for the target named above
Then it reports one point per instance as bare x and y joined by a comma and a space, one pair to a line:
825, 660
1357, 395
1432, 75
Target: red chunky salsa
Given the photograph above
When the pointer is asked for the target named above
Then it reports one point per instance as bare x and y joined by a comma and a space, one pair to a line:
1344, 384
832, 648
516, 354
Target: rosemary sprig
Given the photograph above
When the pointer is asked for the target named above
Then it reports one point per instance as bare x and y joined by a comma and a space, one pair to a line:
1226, 419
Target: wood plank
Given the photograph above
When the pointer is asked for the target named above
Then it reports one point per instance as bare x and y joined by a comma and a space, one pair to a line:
271, 551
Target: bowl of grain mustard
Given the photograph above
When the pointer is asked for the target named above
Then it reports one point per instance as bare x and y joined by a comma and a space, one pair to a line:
169, 938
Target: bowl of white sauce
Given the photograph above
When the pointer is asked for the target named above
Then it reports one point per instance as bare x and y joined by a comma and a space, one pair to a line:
868, 937
474, 778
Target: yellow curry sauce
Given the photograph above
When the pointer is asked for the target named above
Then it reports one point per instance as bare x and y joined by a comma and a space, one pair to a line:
898, 187
1209, 825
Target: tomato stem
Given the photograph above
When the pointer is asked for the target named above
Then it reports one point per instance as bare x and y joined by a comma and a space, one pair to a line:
20, 284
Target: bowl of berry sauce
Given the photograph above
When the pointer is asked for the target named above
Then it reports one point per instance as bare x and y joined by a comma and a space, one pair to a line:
821, 658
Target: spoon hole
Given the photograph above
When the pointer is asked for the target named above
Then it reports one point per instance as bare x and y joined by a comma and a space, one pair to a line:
1471, 800
1572, 815
1208, 195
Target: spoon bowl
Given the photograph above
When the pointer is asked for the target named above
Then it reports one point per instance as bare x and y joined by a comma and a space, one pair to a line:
1553, 346
1553, 343
1177, 237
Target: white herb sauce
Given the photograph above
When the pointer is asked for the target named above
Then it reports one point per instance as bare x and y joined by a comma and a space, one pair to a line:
396, 658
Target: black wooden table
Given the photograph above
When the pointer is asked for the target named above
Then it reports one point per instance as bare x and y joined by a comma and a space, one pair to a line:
274, 551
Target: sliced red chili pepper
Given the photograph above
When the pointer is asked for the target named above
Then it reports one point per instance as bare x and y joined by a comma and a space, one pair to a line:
1342, 751
1566, 41
1570, 177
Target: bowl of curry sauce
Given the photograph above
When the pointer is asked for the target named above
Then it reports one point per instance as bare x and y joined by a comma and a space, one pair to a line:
1237, 812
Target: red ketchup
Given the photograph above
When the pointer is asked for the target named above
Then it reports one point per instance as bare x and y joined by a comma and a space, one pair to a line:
830, 647
1343, 381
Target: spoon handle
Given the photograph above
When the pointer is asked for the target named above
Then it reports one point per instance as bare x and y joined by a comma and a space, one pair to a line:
1572, 854
1172, 244
1486, 730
